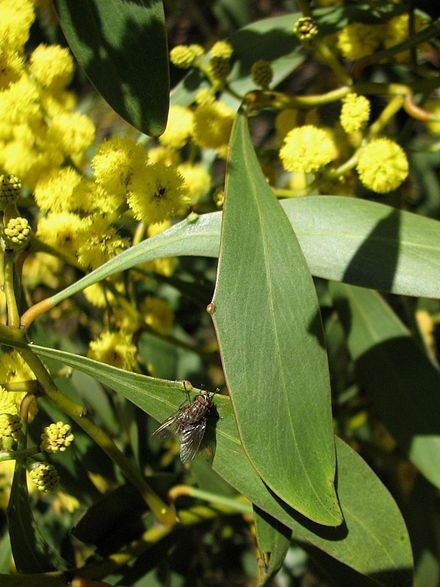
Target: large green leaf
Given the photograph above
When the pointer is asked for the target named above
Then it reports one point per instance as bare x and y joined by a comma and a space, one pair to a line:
121, 45
398, 376
268, 325
343, 239
373, 539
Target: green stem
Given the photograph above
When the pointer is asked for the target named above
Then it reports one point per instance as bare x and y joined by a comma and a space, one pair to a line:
11, 301
240, 504
15, 455
386, 115
31, 386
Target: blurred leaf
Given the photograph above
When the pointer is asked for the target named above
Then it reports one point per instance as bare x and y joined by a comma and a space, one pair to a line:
373, 538
398, 376
33, 580
271, 39
121, 45
268, 325
5, 553
273, 541
342, 239
30, 551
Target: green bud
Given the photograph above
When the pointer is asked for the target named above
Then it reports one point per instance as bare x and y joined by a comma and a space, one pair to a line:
44, 476
305, 28
10, 188
16, 234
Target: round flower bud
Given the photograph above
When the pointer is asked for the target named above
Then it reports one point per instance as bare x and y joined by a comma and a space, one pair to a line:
16, 234
56, 437
262, 73
305, 28
185, 56
10, 426
10, 187
382, 165
44, 476
220, 60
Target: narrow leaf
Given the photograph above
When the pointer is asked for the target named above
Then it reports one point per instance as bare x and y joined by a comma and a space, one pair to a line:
30, 551
273, 540
397, 374
373, 538
266, 315
343, 239
121, 45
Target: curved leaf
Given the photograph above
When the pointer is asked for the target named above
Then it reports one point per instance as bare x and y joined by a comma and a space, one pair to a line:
266, 316
373, 539
342, 239
121, 45
397, 374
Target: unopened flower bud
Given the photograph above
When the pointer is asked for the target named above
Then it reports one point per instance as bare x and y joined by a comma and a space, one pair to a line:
56, 437
16, 234
220, 60
305, 28
262, 73
10, 187
10, 427
185, 56
44, 476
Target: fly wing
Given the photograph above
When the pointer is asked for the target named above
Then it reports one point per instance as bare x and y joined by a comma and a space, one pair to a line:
169, 426
190, 439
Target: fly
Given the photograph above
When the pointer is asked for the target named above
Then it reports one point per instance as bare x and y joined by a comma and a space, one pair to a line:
189, 423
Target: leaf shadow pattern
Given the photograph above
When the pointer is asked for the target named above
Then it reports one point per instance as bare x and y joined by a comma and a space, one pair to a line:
380, 271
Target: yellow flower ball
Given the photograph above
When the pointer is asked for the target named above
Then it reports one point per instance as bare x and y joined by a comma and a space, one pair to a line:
114, 348
179, 127
307, 148
213, 125
358, 40
52, 66
382, 165
355, 112
197, 180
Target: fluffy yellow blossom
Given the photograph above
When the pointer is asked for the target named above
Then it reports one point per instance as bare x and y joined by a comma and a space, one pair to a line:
20, 102
396, 31
358, 40
433, 106
205, 96
157, 314
16, 18
99, 242
57, 102
165, 266
114, 348
62, 231
382, 165
10, 401
307, 148
72, 133
100, 296
163, 155
355, 112
11, 65
52, 66
158, 227
157, 193
13, 369
197, 180
115, 162
185, 56
55, 190
213, 125
179, 127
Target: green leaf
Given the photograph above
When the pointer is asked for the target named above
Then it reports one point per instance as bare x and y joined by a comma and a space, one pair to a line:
268, 325
31, 553
342, 239
121, 45
398, 376
373, 538
273, 540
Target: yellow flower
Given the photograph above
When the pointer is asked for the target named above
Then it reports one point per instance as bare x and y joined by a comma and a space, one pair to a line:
158, 227
16, 18
219, 61
20, 102
41, 269
179, 127
72, 133
213, 125
307, 148
61, 231
185, 56
156, 193
98, 242
55, 191
396, 31
163, 155
56, 437
197, 180
358, 40
11, 66
52, 66
382, 165
114, 348
157, 314
355, 112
